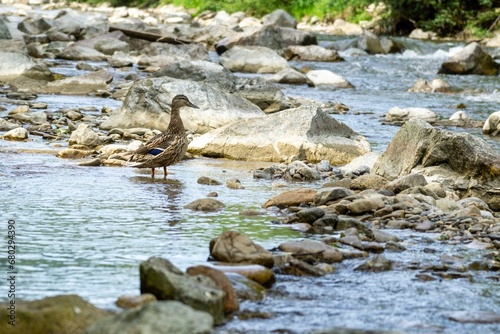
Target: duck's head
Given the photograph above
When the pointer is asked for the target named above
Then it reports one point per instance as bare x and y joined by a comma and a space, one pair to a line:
180, 101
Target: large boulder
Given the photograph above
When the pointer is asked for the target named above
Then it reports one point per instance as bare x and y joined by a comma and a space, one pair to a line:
306, 132
162, 279
57, 315
253, 59
84, 135
162, 317
148, 102
81, 25
471, 60
270, 36
462, 162
4, 30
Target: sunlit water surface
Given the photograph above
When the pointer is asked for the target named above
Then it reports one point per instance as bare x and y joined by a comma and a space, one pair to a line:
85, 230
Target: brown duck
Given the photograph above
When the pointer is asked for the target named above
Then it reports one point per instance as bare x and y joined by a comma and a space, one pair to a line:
168, 147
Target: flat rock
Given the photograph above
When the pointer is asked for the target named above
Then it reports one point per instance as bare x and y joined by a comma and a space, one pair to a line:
205, 204
292, 197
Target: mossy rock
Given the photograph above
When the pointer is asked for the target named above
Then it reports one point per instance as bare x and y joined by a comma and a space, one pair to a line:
64, 314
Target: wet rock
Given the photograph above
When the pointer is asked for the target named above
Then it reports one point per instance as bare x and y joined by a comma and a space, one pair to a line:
128, 301
397, 114
148, 99
368, 181
471, 60
326, 79
292, 197
159, 277
261, 275
492, 125
450, 157
17, 134
235, 247
84, 135
231, 303
280, 18
300, 171
425, 226
59, 315
287, 133
156, 317
317, 249
205, 204
208, 181
377, 263
289, 76
255, 59
326, 195
311, 53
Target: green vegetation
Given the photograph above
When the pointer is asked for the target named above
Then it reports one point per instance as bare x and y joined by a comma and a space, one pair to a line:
445, 17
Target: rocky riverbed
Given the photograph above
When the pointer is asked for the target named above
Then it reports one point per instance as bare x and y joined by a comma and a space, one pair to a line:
314, 231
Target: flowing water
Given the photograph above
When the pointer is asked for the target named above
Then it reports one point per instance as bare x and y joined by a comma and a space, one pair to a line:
85, 230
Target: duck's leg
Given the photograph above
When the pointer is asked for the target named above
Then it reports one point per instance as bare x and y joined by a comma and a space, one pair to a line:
152, 173
165, 172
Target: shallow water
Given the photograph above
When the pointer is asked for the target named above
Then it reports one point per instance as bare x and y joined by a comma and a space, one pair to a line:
85, 230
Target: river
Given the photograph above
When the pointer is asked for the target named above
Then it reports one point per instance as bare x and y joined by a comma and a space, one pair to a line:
85, 230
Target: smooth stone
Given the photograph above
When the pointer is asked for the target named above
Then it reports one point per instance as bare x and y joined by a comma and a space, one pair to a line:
480, 317
292, 197
161, 278
91, 163
71, 153
231, 303
326, 195
161, 317
208, 181
326, 253
255, 272
128, 301
377, 263
205, 204
17, 134
235, 247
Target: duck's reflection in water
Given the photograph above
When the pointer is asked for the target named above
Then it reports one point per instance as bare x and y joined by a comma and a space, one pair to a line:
167, 192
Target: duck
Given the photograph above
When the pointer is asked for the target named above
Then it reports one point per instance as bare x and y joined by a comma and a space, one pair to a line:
168, 147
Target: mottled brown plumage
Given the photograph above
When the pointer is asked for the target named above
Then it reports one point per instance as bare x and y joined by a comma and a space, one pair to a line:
168, 147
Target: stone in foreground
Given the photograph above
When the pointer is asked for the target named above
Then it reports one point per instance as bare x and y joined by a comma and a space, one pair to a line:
306, 132
166, 282
162, 317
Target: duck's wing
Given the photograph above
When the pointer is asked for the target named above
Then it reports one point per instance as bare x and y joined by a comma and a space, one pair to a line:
156, 145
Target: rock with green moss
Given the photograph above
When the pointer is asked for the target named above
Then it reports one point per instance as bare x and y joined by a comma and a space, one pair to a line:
64, 314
